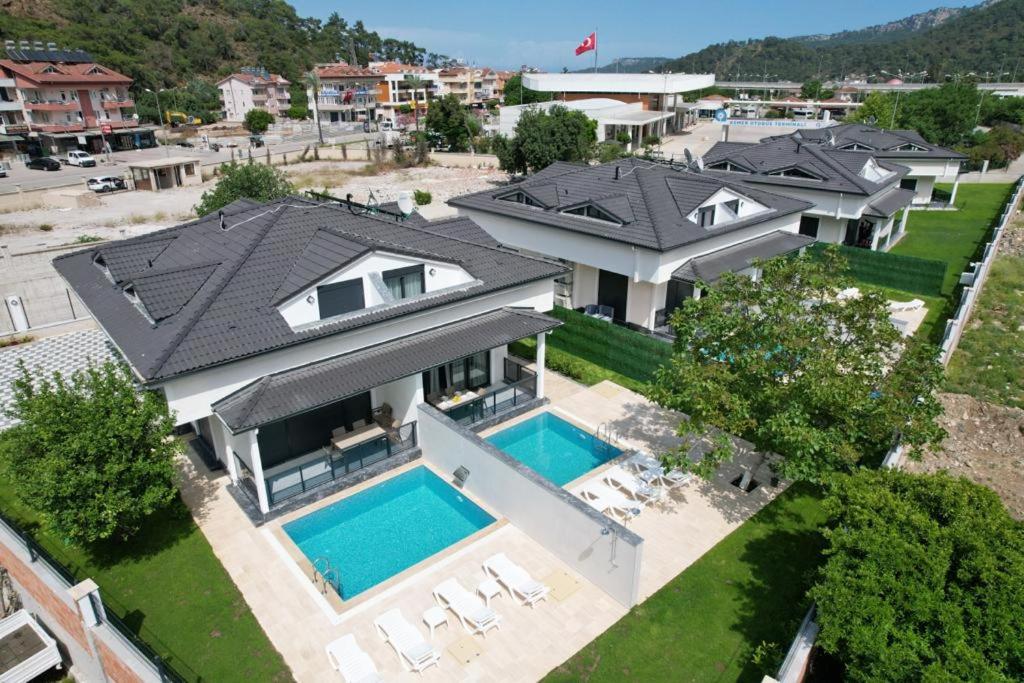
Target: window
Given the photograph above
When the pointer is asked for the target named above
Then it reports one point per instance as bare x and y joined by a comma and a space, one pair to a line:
726, 166
734, 206
809, 226
706, 216
591, 211
909, 147
190, 169
404, 282
794, 173
341, 297
909, 184
855, 147
521, 198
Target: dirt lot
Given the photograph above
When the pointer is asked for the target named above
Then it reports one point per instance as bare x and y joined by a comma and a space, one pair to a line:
126, 214
985, 444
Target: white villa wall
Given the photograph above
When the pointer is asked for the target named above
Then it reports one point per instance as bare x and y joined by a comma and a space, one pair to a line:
584, 285
924, 189
403, 395
569, 528
830, 229
298, 311
190, 396
641, 304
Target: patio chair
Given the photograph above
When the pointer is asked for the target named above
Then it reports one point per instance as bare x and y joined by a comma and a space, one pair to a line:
650, 469
636, 488
608, 501
516, 580
413, 651
348, 659
476, 617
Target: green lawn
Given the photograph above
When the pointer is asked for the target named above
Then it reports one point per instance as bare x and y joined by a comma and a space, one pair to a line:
168, 586
705, 624
987, 363
934, 324
955, 236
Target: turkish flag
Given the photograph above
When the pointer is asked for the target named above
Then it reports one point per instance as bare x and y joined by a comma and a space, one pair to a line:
589, 43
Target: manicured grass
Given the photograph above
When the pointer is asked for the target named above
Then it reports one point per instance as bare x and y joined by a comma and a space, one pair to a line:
706, 623
933, 326
989, 360
955, 236
168, 586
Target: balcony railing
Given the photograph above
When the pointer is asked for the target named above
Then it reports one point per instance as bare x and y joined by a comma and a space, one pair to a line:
330, 464
52, 105
118, 104
523, 387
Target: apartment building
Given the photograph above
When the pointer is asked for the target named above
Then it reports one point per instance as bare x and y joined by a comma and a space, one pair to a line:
253, 88
471, 86
346, 93
396, 88
55, 99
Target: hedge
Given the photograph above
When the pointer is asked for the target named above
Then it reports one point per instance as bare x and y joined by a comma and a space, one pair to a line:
907, 273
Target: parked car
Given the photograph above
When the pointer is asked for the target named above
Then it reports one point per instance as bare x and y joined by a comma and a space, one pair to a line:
43, 164
3, 171
214, 147
105, 183
79, 158
185, 143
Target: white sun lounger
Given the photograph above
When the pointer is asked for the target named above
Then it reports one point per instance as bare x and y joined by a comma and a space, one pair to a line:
516, 580
354, 665
413, 651
637, 489
649, 469
476, 617
608, 501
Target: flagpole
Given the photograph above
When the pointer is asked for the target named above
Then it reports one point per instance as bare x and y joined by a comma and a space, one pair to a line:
595, 49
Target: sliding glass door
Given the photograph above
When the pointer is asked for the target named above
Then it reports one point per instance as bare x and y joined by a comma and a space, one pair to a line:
471, 372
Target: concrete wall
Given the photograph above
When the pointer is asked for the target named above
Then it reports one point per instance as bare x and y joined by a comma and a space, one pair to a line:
601, 550
403, 395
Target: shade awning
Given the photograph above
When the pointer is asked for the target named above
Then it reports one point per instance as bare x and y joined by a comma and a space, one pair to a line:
889, 203
709, 267
11, 138
291, 392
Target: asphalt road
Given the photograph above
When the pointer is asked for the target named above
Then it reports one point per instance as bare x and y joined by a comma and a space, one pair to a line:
29, 179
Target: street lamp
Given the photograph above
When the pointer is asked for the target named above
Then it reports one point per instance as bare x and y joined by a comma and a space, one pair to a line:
160, 116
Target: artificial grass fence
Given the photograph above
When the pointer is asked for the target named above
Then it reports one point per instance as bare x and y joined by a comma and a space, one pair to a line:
167, 586
586, 349
907, 273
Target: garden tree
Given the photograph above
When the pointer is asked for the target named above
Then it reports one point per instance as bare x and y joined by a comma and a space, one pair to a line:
448, 119
943, 116
516, 93
877, 109
814, 90
824, 383
258, 182
92, 454
299, 108
923, 580
544, 137
258, 120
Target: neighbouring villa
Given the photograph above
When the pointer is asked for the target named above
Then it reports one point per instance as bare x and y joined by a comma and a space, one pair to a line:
401, 494
639, 235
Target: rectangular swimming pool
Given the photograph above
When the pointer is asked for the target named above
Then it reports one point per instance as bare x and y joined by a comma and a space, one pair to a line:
377, 533
554, 448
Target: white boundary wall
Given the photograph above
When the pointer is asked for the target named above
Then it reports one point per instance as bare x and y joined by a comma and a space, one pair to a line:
600, 549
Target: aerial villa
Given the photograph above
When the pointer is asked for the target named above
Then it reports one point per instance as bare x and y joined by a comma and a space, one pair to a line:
390, 489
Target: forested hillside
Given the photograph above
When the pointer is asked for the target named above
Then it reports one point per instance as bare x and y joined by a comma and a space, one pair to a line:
170, 42
987, 38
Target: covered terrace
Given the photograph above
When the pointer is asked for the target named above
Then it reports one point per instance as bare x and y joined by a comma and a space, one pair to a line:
302, 428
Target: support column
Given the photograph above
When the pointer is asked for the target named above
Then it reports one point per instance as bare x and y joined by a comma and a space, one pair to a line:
906, 212
87, 597
542, 347
257, 472
952, 195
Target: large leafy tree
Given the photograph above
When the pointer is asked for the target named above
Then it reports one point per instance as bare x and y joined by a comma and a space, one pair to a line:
924, 580
245, 181
258, 120
784, 363
944, 115
449, 120
544, 137
92, 453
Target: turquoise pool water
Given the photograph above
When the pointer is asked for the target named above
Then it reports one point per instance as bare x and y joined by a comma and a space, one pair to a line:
554, 448
377, 533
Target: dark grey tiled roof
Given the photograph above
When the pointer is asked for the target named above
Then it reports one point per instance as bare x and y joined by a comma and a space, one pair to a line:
710, 267
232, 313
883, 143
831, 169
652, 201
275, 397
164, 293
890, 202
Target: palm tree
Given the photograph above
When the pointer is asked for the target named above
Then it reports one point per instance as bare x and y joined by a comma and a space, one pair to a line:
415, 83
313, 82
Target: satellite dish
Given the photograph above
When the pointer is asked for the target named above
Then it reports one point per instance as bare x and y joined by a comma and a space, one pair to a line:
689, 157
405, 203
700, 164
831, 139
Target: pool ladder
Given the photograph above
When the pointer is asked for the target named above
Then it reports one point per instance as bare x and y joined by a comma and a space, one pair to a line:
605, 435
326, 575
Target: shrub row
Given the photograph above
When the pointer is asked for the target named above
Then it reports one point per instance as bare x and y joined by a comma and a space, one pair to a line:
907, 273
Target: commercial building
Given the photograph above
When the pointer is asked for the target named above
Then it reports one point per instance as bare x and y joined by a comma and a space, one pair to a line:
253, 88
54, 100
165, 174
346, 93
612, 117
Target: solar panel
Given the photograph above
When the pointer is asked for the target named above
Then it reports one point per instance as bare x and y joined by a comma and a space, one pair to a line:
25, 54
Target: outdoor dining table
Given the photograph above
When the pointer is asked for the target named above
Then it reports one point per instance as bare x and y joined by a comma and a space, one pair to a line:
343, 441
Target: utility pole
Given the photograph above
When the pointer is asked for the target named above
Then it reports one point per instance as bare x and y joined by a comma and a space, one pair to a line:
595, 49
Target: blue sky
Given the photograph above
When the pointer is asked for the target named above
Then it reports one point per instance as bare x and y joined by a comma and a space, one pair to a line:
545, 33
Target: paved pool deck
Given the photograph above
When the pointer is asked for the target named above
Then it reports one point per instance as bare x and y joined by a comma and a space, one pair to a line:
532, 641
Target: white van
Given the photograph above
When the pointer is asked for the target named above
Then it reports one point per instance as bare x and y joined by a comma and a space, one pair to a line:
79, 158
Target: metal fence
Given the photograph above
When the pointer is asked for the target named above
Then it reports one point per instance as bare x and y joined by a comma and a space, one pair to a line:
34, 294
497, 401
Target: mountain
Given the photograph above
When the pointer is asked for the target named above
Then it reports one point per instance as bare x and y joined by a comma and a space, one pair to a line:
985, 38
629, 65
170, 42
883, 32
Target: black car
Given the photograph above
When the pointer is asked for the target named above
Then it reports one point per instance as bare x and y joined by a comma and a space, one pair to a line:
43, 164
185, 143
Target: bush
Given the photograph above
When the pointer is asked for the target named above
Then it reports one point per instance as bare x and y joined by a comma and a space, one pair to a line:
651, 141
623, 138
92, 454
421, 197
258, 120
245, 181
610, 151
